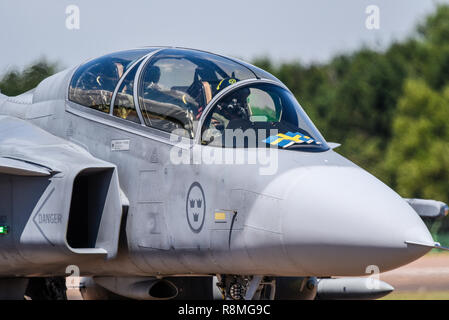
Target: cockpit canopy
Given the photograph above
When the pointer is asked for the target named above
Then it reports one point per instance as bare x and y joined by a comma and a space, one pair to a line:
168, 89
260, 115
94, 82
177, 85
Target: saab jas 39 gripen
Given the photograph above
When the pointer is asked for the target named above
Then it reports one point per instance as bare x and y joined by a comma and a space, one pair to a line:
163, 173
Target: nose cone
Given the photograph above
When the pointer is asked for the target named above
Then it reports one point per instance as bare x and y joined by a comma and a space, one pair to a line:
343, 221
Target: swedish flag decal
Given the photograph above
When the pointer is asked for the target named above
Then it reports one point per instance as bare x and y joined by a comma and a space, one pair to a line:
285, 140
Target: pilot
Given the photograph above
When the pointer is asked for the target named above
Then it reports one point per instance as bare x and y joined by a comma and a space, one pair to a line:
152, 77
120, 69
230, 114
107, 77
235, 110
200, 90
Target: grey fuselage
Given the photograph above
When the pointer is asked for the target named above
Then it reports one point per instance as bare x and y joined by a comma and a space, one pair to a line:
318, 215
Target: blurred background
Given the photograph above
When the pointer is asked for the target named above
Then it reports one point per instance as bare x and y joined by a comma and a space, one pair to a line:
381, 90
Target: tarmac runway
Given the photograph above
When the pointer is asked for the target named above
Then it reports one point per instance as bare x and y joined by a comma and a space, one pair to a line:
427, 274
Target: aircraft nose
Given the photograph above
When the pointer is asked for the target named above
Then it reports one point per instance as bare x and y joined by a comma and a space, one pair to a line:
344, 221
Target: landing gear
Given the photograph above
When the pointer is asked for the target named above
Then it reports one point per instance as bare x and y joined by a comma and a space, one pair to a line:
235, 287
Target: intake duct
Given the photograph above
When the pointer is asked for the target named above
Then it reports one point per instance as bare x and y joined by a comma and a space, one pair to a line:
57, 200
89, 197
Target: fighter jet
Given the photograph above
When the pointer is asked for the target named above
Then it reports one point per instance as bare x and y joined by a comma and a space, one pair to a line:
172, 173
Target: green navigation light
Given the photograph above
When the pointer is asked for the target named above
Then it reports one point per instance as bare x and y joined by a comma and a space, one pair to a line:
4, 230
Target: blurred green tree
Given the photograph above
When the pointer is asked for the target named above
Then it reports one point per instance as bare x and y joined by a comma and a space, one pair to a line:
417, 158
16, 82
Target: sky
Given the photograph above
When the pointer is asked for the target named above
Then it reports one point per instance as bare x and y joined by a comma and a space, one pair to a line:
284, 30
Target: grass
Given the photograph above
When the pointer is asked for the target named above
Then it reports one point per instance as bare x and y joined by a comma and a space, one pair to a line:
418, 295
438, 251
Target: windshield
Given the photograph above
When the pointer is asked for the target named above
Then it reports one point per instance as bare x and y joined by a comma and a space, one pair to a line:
261, 115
